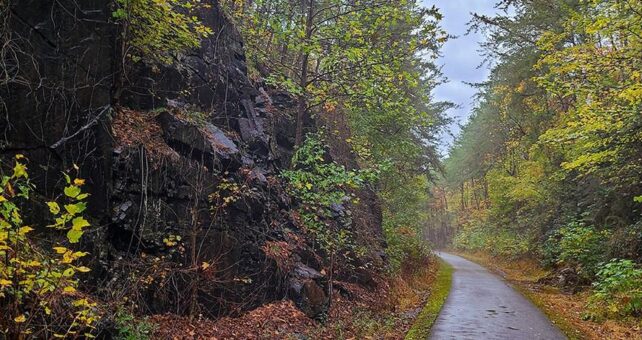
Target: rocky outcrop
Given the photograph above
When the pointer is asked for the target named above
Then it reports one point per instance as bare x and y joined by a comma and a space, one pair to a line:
364, 213
306, 291
182, 161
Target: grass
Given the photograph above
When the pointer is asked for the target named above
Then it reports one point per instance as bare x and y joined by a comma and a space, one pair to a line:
421, 328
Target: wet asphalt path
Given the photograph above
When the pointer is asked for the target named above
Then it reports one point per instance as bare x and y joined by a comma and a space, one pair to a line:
483, 306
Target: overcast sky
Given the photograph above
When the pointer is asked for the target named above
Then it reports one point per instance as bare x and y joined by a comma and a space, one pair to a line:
460, 58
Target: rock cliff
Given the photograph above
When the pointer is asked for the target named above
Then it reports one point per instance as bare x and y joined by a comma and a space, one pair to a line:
182, 161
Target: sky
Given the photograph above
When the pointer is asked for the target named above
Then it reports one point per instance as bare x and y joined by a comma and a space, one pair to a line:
460, 59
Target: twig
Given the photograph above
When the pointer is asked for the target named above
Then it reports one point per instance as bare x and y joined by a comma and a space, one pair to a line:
93, 122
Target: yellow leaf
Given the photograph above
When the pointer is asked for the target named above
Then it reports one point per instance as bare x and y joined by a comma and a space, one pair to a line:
69, 289
83, 269
20, 156
205, 265
5, 282
20, 318
24, 230
54, 208
79, 222
79, 181
60, 250
19, 170
80, 302
2, 199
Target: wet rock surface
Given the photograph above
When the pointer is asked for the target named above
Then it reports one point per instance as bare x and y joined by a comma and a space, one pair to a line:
306, 291
483, 306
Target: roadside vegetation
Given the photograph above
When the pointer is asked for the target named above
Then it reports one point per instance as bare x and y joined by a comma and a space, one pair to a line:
438, 294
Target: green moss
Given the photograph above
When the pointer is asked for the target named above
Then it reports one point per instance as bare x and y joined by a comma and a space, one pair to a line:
427, 317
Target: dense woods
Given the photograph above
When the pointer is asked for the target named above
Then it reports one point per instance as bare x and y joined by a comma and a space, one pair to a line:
549, 163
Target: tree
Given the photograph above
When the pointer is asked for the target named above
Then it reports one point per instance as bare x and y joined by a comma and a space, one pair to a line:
371, 61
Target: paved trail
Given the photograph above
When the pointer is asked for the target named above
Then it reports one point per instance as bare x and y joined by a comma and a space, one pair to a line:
483, 306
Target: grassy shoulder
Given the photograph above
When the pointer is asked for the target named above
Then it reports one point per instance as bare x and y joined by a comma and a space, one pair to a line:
425, 320
564, 310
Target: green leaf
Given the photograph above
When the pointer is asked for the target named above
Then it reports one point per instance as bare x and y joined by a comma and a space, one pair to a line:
72, 191
79, 222
74, 209
54, 208
74, 235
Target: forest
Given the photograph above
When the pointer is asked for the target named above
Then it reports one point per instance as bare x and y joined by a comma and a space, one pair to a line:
546, 165
277, 169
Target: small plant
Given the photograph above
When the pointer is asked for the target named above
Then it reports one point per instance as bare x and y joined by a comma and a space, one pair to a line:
280, 252
130, 328
617, 290
322, 186
198, 118
38, 286
227, 193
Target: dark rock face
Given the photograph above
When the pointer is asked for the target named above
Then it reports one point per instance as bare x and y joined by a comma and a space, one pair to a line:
212, 79
305, 290
178, 230
206, 143
59, 57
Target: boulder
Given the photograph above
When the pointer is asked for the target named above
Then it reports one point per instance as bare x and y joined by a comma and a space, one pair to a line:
207, 143
306, 292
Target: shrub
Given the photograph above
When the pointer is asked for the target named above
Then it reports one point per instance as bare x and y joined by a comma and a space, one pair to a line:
405, 250
130, 328
581, 247
497, 242
319, 186
617, 290
38, 285
626, 242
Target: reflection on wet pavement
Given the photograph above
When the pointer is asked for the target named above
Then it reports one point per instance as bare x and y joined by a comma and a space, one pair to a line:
483, 306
